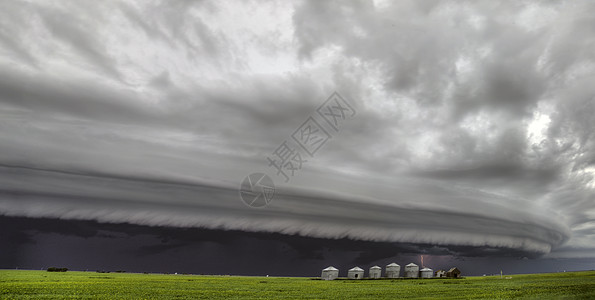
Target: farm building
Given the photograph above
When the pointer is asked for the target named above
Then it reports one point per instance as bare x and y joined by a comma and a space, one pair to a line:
454, 272
440, 273
393, 270
329, 273
375, 272
355, 273
411, 271
426, 273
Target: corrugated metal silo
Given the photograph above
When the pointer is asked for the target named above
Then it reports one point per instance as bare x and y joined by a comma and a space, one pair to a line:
411, 271
355, 273
393, 271
375, 272
426, 273
329, 273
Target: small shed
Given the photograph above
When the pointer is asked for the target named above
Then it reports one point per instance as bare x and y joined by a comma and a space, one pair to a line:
426, 273
411, 271
329, 273
375, 272
454, 272
393, 270
355, 273
440, 273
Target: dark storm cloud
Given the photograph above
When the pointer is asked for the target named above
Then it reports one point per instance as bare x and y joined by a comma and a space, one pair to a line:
473, 128
88, 245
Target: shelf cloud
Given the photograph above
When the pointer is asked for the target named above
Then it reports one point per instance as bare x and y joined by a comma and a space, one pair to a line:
472, 126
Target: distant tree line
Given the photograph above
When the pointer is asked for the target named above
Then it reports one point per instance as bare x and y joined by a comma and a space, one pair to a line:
54, 269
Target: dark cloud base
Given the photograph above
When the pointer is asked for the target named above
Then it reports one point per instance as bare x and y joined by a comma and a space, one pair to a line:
38, 243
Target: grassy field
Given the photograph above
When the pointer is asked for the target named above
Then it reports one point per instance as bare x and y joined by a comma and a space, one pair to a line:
42, 284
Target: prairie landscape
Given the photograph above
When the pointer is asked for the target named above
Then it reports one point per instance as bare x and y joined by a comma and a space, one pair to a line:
272, 140
15, 284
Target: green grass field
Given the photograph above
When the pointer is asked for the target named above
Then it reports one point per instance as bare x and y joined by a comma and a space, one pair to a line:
42, 284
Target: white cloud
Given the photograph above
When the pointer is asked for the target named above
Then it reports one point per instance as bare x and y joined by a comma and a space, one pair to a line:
477, 112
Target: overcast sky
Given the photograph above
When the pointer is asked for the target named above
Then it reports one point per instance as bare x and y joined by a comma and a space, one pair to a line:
472, 127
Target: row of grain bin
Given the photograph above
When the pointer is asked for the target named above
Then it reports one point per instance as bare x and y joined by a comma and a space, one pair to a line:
412, 271
393, 270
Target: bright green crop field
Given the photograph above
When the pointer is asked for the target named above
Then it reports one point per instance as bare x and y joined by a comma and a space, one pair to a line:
41, 284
